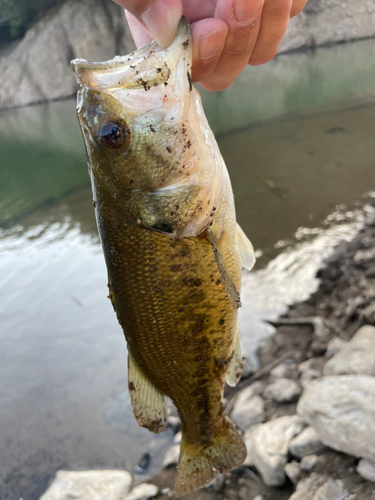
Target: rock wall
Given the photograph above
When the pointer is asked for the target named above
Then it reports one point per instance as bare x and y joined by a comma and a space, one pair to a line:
37, 69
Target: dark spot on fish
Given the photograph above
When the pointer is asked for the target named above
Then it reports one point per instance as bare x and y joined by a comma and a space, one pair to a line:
169, 149
158, 70
152, 128
131, 181
221, 322
175, 268
180, 309
197, 282
94, 203
188, 144
190, 84
186, 44
218, 281
131, 386
165, 83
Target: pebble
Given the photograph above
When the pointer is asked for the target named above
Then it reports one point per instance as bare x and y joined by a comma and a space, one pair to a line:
177, 438
143, 491
283, 390
89, 485
364, 255
284, 370
318, 487
357, 358
293, 471
366, 469
309, 375
334, 346
267, 447
342, 411
174, 423
217, 484
171, 457
248, 413
306, 443
308, 463
368, 314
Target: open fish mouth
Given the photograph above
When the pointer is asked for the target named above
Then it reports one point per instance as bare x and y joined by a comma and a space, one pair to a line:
148, 67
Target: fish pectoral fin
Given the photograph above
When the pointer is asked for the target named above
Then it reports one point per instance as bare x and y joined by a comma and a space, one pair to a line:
246, 249
229, 286
148, 403
234, 371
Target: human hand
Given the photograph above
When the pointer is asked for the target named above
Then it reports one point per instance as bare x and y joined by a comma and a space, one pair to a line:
227, 34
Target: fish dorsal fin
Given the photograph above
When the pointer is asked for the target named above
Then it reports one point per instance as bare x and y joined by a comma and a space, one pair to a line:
234, 371
246, 249
229, 286
148, 403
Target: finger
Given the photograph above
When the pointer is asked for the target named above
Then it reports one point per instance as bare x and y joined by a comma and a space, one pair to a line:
297, 6
159, 18
209, 37
242, 17
274, 22
139, 34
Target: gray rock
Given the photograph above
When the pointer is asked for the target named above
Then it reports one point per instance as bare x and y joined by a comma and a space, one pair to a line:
267, 447
306, 443
358, 357
171, 457
309, 375
177, 438
283, 390
364, 255
308, 463
342, 411
248, 413
334, 346
293, 471
89, 485
368, 314
217, 484
317, 487
283, 370
366, 469
143, 491
38, 69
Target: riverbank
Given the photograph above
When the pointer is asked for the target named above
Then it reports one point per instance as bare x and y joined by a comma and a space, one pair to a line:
307, 413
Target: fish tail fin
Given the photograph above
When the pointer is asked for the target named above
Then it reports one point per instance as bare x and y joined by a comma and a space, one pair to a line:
199, 462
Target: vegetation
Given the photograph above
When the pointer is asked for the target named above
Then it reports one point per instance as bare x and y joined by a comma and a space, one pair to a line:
18, 15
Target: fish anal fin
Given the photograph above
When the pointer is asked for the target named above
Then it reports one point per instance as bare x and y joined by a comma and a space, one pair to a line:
229, 286
245, 249
234, 371
199, 463
148, 403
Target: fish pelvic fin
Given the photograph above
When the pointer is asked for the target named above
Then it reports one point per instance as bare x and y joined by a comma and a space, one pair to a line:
234, 371
245, 249
148, 403
198, 463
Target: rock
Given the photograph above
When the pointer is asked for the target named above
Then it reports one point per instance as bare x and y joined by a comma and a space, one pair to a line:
334, 346
318, 487
306, 443
248, 413
177, 438
143, 491
342, 411
38, 69
217, 484
89, 485
171, 457
368, 314
293, 471
364, 255
358, 357
267, 447
311, 364
284, 370
174, 423
308, 463
332, 489
309, 375
366, 469
283, 391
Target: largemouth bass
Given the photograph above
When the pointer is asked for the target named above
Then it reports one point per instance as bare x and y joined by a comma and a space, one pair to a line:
166, 219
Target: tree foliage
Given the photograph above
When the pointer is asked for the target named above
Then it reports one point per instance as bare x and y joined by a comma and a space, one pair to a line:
17, 15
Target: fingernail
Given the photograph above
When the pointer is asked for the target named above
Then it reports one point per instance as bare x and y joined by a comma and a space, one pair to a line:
161, 22
212, 43
246, 11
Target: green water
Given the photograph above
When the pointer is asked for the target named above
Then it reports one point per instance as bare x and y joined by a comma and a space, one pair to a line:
297, 136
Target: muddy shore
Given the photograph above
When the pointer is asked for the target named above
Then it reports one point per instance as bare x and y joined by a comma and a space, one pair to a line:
343, 303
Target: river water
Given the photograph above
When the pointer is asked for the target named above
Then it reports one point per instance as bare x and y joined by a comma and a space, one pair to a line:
297, 137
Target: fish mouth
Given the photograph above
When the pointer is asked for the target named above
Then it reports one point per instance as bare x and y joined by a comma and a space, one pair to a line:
147, 67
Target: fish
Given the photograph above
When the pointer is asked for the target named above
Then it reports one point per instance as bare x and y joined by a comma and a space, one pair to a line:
174, 253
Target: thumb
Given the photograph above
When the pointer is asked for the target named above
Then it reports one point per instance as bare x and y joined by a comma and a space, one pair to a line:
159, 18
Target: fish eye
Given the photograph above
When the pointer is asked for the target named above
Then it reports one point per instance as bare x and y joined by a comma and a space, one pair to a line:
114, 134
